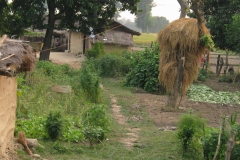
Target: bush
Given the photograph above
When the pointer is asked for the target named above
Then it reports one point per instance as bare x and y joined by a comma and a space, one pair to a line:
96, 52
226, 78
144, 71
53, 125
89, 83
189, 127
202, 74
112, 65
96, 123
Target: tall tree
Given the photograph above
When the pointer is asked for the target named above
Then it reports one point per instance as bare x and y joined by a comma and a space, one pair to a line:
158, 24
218, 15
94, 13
144, 18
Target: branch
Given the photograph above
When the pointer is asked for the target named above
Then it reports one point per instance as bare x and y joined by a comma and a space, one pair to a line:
199, 14
184, 6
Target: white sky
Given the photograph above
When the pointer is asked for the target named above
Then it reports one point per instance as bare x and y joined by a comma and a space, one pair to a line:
165, 8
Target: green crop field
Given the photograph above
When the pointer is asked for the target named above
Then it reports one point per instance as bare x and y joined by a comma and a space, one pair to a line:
145, 39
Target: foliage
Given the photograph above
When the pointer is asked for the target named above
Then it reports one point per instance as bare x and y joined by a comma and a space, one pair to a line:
96, 51
110, 65
53, 125
96, 123
232, 32
207, 41
190, 126
144, 72
226, 78
202, 93
96, 116
89, 83
22, 87
144, 18
32, 126
158, 24
202, 74
218, 15
11, 24
210, 145
85, 12
34, 34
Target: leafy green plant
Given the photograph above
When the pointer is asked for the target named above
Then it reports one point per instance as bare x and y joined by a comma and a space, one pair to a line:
189, 126
202, 74
203, 93
89, 83
226, 78
96, 123
94, 134
54, 125
144, 71
112, 65
96, 51
210, 144
32, 126
207, 41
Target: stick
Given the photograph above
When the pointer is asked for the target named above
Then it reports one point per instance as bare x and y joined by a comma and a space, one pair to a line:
7, 57
230, 146
218, 145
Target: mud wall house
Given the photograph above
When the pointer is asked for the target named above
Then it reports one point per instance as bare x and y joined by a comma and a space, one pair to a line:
15, 57
116, 37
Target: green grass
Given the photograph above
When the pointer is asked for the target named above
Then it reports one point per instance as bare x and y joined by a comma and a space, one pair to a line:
152, 144
145, 39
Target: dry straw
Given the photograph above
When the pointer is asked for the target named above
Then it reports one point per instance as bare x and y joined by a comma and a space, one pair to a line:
182, 36
16, 57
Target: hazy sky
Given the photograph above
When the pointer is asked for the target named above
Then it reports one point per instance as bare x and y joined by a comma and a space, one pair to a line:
165, 8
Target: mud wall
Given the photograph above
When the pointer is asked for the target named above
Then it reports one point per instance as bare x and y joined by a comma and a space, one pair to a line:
8, 103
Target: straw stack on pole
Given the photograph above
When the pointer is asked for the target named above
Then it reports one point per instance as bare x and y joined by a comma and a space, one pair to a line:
181, 52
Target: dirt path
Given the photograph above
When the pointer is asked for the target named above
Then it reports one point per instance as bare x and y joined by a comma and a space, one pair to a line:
132, 133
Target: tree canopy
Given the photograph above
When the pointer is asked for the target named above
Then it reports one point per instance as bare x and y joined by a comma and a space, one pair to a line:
85, 13
220, 18
144, 17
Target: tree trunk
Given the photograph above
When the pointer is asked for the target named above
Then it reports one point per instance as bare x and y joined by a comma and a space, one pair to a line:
45, 53
184, 6
172, 98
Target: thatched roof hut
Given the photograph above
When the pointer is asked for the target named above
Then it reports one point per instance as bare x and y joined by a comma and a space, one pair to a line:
180, 38
117, 34
15, 57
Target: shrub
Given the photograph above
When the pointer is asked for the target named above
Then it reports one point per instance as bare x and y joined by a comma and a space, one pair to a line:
54, 125
189, 126
96, 51
112, 65
202, 74
226, 78
89, 83
144, 73
96, 123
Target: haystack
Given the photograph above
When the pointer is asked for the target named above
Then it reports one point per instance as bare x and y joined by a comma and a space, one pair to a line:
181, 38
16, 57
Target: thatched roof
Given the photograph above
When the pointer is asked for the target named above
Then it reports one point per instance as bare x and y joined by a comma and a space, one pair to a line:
117, 34
15, 57
116, 37
182, 37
